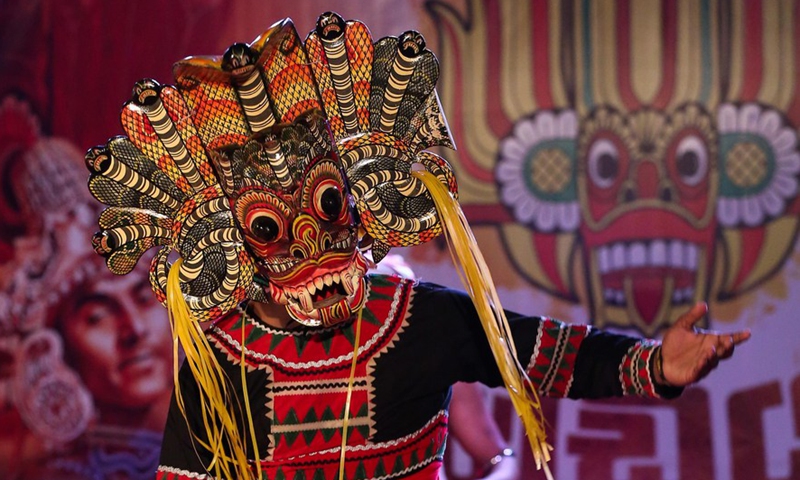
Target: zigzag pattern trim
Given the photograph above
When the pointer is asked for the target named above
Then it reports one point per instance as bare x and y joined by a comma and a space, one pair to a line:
553, 359
635, 374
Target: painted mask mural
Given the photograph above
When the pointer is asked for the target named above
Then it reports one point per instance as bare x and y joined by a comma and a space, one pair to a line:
635, 177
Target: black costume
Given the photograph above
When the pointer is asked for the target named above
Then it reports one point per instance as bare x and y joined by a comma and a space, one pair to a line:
416, 341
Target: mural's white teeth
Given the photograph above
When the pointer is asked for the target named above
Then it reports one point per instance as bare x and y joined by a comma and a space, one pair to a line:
691, 256
618, 257
614, 296
657, 253
328, 279
683, 295
608, 294
676, 255
603, 260
677, 295
637, 255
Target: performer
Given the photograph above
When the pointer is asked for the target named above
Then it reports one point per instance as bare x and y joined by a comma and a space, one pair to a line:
275, 172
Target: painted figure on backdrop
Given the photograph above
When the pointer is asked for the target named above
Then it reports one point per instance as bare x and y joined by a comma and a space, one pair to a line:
88, 354
279, 172
628, 176
117, 339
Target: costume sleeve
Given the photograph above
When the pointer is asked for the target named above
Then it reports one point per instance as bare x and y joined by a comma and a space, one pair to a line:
181, 456
563, 360
578, 361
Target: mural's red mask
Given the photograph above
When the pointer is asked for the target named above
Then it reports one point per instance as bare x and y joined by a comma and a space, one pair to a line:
291, 202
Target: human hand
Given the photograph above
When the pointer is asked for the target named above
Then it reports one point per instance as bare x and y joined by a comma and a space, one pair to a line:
689, 354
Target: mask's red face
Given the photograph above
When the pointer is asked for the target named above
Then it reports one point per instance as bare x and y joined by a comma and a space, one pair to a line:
292, 204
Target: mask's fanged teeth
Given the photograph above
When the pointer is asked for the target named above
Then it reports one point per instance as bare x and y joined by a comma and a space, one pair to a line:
328, 279
336, 277
304, 296
319, 282
279, 296
347, 283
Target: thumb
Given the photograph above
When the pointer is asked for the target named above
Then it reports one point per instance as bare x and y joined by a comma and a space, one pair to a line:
688, 319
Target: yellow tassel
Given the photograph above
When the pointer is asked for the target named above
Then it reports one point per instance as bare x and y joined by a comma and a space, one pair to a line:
215, 399
350, 383
477, 280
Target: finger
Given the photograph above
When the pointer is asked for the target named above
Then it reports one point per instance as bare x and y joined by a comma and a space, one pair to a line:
710, 365
712, 358
740, 336
706, 363
713, 363
725, 347
688, 319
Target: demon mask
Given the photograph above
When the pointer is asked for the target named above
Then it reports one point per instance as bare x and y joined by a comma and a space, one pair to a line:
274, 169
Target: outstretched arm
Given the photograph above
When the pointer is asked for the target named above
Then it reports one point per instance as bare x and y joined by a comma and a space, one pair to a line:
689, 354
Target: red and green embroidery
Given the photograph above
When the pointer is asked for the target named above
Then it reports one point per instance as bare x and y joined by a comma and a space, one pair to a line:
553, 358
421, 451
634, 370
309, 371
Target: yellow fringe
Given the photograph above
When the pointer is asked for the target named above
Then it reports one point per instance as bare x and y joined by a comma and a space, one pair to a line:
477, 280
214, 397
350, 383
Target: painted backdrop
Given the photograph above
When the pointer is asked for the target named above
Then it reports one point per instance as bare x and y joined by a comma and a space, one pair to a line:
618, 160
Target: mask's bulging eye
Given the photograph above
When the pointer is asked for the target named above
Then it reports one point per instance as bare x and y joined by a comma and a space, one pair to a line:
265, 227
331, 202
328, 201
